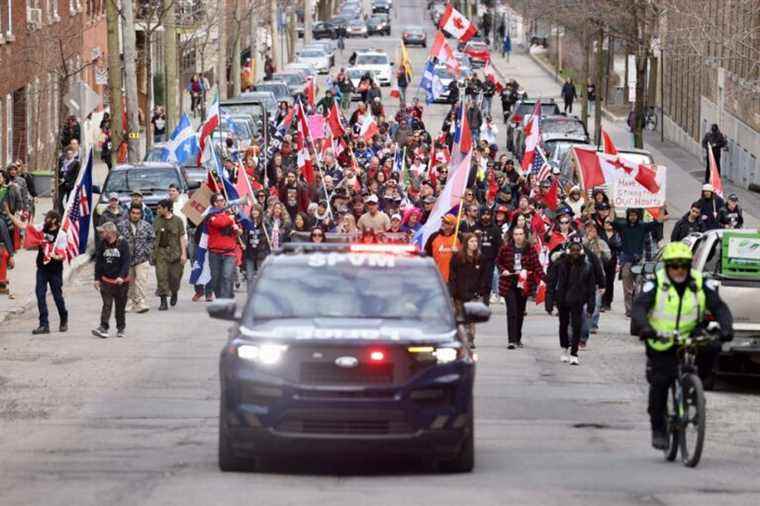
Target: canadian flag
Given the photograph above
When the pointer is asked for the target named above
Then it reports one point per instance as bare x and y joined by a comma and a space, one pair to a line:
532, 137
368, 127
456, 24
208, 127
612, 165
444, 54
609, 147
334, 122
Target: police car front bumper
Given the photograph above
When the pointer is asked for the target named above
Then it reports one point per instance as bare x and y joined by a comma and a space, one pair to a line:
429, 415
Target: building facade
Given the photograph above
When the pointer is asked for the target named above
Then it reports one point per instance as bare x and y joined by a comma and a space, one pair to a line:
44, 46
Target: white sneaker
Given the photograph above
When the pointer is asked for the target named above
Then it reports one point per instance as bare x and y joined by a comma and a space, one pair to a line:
574, 361
564, 358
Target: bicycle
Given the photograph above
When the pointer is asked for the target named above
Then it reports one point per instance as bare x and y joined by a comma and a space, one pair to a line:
686, 402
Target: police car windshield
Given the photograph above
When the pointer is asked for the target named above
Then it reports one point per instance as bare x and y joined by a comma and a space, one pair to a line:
349, 286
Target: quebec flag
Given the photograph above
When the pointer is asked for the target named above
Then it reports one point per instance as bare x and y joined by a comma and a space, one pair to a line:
183, 147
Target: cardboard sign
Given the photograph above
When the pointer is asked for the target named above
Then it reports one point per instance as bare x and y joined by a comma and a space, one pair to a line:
627, 192
197, 204
317, 126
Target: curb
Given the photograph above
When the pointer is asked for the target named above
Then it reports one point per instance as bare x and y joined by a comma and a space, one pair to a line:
549, 70
78, 263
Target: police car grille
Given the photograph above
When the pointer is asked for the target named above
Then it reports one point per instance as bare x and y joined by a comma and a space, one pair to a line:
326, 373
344, 422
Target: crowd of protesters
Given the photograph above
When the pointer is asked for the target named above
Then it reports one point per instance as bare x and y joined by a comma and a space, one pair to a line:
514, 237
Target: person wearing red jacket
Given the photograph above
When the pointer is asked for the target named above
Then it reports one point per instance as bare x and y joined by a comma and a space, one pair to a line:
223, 233
520, 273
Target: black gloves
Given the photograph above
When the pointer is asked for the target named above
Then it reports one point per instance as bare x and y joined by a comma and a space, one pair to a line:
647, 333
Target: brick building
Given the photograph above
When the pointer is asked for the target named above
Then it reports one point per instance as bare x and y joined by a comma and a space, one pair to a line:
44, 45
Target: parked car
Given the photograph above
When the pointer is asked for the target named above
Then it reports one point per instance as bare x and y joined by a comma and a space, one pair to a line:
357, 28
379, 24
384, 6
295, 81
323, 30
338, 23
267, 98
152, 179
414, 35
375, 61
278, 88
330, 47
522, 110
729, 258
553, 127
315, 57
478, 53
308, 70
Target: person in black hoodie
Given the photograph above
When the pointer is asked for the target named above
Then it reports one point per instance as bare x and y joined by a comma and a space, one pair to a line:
490, 243
112, 278
468, 278
689, 222
574, 289
50, 272
731, 215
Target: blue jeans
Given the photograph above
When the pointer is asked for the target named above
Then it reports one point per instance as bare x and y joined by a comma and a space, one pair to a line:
486, 105
593, 322
55, 280
222, 274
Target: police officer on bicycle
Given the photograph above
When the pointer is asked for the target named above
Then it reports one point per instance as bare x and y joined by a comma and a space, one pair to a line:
676, 301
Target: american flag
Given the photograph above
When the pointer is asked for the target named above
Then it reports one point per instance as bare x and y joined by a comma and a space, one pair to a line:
75, 225
540, 166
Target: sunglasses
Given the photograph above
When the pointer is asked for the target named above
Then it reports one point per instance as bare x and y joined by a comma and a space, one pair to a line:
679, 266
564, 222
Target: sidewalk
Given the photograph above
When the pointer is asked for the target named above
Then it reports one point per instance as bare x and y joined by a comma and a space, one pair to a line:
23, 277
685, 171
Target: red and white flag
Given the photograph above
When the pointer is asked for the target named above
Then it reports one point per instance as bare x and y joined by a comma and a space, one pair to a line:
609, 147
715, 179
310, 91
368, 127
532, 137
490, 74
453, 22
334, 122
208, 127
303, 139
441, 50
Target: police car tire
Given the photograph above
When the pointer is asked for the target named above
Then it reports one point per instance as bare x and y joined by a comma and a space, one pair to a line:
228, 461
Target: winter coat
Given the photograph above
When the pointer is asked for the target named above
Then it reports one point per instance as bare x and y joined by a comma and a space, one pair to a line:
529, 261
575, 282
468, 279
685, 227
140, 241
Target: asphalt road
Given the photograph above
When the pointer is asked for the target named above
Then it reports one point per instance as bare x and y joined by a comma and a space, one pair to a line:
86, 421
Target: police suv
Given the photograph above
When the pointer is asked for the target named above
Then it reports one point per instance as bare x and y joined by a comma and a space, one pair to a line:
346, 350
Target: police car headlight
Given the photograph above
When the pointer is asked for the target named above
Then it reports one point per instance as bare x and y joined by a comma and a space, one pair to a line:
266, 354
446, 355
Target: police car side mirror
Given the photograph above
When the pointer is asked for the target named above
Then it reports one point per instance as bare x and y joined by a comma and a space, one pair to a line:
476, 312
223, 309
649, 268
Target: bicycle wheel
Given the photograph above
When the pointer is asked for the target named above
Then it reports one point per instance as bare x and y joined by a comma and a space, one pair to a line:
671, 418
693, 433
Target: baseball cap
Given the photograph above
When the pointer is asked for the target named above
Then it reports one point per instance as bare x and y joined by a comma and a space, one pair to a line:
396, 217
602, 205
575, 241
707, 187
113, 196
502, 209
733, 197
429, 199
449, 218
137, 192
371, 199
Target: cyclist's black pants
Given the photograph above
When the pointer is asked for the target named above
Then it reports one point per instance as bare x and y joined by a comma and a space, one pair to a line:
661, 372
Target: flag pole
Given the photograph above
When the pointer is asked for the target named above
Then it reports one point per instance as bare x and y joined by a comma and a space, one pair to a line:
319, 165
459, 220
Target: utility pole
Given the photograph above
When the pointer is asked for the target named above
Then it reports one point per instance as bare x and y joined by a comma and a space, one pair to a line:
275, 32
171, 88
307, 6
130, 71
256, 55
236, 48
292, 34
601, 95
221, 56
114, 75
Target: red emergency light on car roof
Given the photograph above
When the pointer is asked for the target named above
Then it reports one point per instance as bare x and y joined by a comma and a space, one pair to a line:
383, 248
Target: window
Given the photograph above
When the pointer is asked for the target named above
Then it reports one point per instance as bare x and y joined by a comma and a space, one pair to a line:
9, 31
